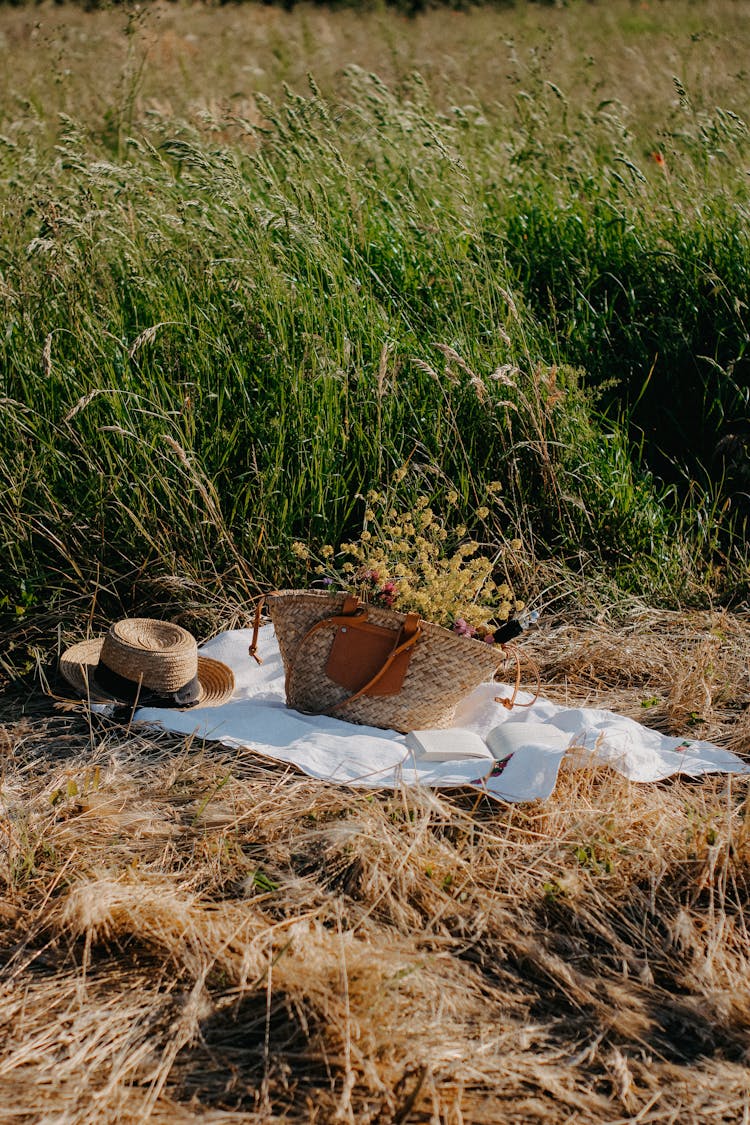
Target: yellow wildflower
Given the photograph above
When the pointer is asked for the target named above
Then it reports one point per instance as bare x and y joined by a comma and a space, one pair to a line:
410, 543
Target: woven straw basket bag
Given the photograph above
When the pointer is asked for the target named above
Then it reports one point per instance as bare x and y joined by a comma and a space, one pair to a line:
402, 673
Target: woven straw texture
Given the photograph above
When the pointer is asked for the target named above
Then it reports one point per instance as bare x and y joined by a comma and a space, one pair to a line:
444, 667
165, 655
162, 656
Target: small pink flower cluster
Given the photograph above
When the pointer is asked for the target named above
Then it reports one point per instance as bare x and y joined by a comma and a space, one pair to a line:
387, 593
464, 629
382, 595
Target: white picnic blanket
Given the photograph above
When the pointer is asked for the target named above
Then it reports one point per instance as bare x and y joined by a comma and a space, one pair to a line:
334, 750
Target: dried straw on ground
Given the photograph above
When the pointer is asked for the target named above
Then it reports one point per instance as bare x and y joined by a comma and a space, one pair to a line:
191, 933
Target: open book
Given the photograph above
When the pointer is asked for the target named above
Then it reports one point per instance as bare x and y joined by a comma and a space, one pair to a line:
456, 743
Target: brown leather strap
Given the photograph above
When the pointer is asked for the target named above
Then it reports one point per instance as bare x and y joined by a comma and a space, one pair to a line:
509, 704
253, 650
406, 638
411, 631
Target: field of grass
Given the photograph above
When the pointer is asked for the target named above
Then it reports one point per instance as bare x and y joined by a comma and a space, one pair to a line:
254, 263
225, 317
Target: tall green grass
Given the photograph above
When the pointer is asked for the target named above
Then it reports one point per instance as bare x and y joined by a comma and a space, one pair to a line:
214, 342
636, 253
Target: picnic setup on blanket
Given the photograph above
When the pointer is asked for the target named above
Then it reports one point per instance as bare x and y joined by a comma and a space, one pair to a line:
364, 695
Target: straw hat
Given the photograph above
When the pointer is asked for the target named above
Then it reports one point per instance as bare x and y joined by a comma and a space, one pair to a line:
154, 663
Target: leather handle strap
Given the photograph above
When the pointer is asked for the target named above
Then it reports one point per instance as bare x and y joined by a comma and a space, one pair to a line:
411, 631
406, 638
509, 704
253, 650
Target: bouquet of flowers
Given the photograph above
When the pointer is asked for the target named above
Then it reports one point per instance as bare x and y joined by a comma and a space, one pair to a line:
413, 561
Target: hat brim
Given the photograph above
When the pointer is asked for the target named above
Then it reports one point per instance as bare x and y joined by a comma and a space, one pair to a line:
78, 664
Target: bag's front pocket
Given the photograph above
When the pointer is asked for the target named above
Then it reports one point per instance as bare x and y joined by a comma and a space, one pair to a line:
358, 653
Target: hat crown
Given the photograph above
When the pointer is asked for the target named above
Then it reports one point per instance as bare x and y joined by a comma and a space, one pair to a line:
163, 657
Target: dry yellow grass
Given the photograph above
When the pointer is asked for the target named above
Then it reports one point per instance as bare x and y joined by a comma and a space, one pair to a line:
191, 933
